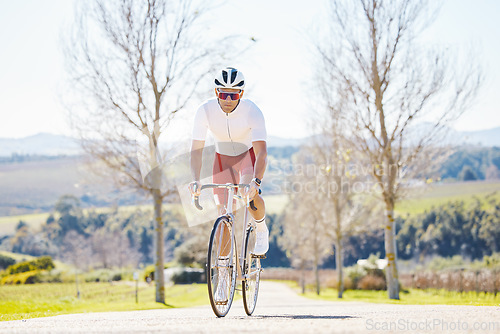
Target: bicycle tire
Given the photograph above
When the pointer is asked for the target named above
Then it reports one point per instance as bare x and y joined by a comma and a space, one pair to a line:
252, 269
220, 309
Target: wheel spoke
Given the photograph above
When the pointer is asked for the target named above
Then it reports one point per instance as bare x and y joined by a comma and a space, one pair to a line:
221, 277
252, 275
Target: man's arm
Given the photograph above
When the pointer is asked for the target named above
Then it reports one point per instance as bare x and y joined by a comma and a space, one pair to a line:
196, 160
260, 150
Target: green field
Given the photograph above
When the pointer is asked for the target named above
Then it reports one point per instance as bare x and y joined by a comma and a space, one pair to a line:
434, 195
43, 300
274, 204
418, 201
408, 297
8, 223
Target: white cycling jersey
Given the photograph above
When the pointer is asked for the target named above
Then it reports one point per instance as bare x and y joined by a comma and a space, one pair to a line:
234, 132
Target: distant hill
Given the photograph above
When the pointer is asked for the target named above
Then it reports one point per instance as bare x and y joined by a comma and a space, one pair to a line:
489, 137
40, 144
46, 144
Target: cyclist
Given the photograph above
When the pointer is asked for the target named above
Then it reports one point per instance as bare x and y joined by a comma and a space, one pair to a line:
239, 131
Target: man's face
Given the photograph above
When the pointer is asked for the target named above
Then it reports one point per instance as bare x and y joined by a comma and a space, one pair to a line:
227, 104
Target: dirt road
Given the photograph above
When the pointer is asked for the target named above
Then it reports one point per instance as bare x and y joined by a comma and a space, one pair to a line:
279, 310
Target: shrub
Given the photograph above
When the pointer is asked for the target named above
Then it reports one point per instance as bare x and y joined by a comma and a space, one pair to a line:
27, 277
188, 276
42, 263
332, 283
6, 261
372, 282
355, 274
101, 275
149, 271
20, 268
117, 277
441, 263
50, 277
348, 284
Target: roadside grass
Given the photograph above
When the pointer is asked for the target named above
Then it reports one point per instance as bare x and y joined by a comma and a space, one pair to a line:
49, 299
407, 297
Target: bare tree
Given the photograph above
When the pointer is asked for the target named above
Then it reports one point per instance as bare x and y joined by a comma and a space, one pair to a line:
391, 85
103, 247
78, 251
345, 206
345, 201
134, 65
304, 237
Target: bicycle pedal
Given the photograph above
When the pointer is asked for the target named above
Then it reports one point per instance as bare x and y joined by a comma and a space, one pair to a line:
221, 303
263, 256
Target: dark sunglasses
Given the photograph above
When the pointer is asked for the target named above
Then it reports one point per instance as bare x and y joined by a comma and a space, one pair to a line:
233, 96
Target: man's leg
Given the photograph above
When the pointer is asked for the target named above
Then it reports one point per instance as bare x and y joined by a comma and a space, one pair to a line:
258, 201
226, 236
259, 215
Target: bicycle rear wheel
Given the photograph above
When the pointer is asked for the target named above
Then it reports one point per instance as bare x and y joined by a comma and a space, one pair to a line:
252, 269
221, 271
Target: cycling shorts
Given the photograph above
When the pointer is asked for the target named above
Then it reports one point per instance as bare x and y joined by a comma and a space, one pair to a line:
229, 169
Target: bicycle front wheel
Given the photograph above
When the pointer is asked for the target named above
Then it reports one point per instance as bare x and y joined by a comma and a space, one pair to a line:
221, 271
252, 269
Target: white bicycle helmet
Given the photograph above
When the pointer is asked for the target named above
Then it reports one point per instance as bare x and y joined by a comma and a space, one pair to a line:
230, 78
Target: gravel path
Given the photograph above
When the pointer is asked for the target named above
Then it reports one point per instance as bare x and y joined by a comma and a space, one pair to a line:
279, 310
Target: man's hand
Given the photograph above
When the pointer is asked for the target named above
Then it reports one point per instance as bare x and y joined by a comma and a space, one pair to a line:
253, 190
195, 188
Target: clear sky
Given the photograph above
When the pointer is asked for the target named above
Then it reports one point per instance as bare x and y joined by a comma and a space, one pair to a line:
31, 65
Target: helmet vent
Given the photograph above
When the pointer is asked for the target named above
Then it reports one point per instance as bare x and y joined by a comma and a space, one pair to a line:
233, 75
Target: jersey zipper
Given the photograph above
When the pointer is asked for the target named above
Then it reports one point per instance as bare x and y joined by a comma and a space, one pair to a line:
229, 133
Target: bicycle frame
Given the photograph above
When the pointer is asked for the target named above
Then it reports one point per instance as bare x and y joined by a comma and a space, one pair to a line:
247, 264
229, 214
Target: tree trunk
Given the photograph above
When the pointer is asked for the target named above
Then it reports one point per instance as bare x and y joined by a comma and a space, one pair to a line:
316, 275
391, 272
303, 278
338, 245
159, 267
338, 262
316, 256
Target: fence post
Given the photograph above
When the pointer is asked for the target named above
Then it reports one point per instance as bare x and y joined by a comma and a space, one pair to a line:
450, 281
460, 281
495, 290
477, 282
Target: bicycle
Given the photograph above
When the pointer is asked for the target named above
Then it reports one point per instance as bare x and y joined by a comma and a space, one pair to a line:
224, 267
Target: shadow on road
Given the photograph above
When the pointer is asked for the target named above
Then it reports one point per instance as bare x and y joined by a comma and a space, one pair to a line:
306, 316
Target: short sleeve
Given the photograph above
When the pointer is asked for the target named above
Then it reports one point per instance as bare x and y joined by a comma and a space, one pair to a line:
200, 124
257, 124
